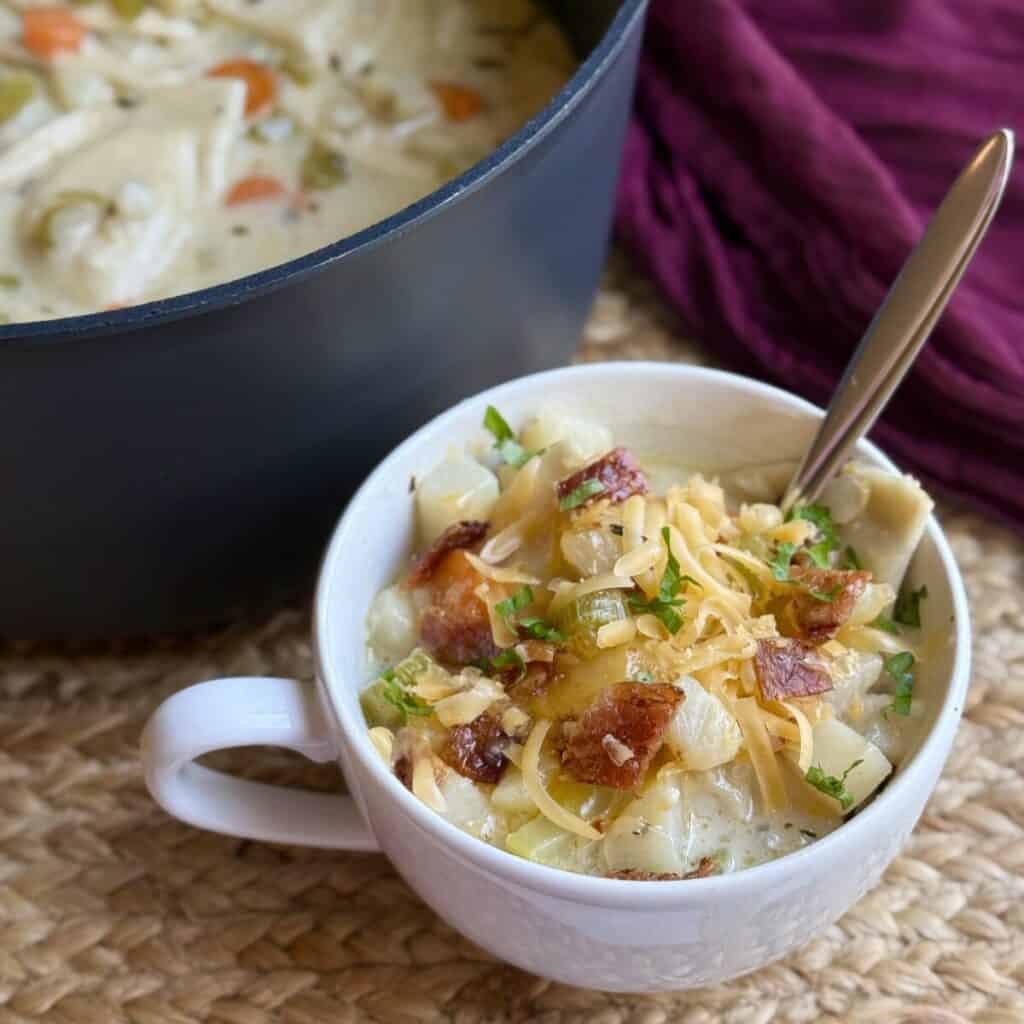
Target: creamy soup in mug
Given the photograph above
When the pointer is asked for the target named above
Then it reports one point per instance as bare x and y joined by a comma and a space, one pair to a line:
615, 666
152, 147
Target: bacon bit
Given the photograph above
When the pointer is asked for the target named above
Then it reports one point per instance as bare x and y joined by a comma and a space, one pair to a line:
460, 102
538, 677
707, 866
819, 621
260, 83
47, 31
455, 627
403, 770
633, 875
477, 750
789, 668
536, 650
254, 189
618, 471
636, 715
459, 535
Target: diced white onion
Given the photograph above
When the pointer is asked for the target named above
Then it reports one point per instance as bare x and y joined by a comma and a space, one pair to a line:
500, 574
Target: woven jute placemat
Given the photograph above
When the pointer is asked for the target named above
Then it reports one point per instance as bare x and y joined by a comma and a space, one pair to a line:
111, 912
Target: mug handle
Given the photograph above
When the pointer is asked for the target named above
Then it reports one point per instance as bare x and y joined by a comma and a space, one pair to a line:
241, 712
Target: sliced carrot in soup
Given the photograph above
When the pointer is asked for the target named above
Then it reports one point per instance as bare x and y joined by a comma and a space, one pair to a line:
260, 83
460, 102
254, 189
47, 31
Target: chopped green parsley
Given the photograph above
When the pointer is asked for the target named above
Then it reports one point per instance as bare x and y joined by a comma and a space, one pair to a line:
664, 606
831, 786
516, 603
907, 611
510, 450
532, 625
827, 541
901, 668
397, 695
885, 624
780, 563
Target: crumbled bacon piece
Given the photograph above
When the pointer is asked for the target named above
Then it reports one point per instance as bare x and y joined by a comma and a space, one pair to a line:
633, 875
403, 769
707, 866
477, 750
789, 668
538, 677
536, 650
636, 715
818, 618
458, 535
455, 627
618, 471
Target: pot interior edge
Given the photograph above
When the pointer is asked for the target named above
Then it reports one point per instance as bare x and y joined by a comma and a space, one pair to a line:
584, 23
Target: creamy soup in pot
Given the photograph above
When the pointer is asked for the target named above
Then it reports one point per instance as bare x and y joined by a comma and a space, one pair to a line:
152, 147
608, 665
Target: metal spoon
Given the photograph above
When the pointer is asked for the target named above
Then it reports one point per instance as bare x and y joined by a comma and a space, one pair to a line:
902, 325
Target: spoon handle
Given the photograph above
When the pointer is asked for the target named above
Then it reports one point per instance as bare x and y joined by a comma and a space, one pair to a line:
908, 314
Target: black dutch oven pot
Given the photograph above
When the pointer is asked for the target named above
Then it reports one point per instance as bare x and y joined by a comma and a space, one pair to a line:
175, 463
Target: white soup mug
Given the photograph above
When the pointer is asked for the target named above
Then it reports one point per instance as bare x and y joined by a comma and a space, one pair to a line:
601, 933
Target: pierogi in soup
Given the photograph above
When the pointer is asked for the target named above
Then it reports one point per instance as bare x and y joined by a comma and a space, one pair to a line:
152, 147
609, 665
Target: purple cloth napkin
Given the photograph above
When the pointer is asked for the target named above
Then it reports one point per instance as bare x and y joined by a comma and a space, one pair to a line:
782, 161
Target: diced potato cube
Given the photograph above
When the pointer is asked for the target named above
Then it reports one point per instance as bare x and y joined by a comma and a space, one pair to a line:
584, 440
837, 746
703, 733
466, 804
452, 491
542, 841
391, 625
648, 835
510, 795
885, 534
856, 672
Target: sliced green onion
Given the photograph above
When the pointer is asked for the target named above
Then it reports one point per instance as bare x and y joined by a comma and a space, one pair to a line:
15, 91
578, 495
323, 167
582, 618
129, 9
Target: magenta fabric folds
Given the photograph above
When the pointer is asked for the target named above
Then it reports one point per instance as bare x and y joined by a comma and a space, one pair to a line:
783, 158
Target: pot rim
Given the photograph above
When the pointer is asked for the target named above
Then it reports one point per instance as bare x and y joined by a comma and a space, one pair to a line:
390, 229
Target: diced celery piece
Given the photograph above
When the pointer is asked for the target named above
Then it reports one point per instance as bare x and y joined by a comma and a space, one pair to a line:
541, 841
581, 620
377, 708
15, 91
